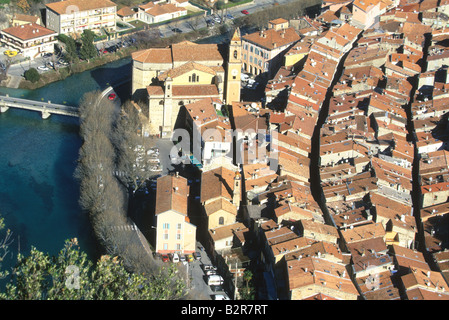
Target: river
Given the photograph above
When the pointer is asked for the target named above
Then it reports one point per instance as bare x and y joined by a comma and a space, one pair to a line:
38, 193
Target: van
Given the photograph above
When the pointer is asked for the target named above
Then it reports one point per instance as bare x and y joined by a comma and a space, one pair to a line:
175, 258
214, 280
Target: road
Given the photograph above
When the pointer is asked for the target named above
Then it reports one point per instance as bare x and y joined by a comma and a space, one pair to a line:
18, 69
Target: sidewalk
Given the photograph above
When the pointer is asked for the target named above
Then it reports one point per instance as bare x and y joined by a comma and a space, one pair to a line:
14, 81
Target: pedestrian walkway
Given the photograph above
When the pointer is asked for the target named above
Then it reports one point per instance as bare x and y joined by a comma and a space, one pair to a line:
14, 81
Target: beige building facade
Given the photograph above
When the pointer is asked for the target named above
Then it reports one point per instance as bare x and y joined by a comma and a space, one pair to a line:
75, 16
172, 77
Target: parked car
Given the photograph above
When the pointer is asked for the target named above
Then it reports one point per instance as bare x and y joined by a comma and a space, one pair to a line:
189, 258
245, 12
216, 288
220, 297
176, 30
43, 68
210, 272
47, 55
207, 267
175, 258
112, 96
197, 255
165, 257
182, 258
229, 16
214, 280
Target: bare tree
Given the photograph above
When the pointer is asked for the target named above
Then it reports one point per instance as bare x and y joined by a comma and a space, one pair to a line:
133, 159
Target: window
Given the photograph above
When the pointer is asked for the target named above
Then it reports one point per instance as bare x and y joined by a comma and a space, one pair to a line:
166, 226
221, 221
165, 236
178, 246
193, 78
235, 54
179, 226
178, 236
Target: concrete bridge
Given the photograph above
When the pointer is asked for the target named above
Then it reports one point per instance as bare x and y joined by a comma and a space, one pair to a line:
46, 108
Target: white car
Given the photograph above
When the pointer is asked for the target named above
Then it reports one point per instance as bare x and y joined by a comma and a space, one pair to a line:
220, 297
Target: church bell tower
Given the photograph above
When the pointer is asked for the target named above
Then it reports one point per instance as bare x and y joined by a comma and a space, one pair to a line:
233, 69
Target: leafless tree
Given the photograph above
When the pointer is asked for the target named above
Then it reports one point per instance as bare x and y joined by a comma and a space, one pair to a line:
133, 160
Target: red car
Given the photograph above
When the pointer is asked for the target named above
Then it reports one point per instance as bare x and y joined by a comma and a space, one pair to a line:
245, 12
165, 258
112, 96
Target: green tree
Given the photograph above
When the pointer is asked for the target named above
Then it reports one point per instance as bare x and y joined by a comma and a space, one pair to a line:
70, 47
87, 50
32, 75
247, 293
71, 276
5, 241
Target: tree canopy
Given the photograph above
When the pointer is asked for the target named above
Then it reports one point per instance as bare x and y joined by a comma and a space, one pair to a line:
72, 276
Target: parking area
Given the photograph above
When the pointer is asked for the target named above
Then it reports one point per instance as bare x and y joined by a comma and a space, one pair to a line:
202, 275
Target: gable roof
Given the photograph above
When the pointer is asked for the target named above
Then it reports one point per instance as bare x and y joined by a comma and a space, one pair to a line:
216, 183
171, 194
29, 31
271, 39
182, 69
153, 55
62, 7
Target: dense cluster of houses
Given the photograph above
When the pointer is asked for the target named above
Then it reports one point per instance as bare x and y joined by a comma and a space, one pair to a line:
361, 93
344, 195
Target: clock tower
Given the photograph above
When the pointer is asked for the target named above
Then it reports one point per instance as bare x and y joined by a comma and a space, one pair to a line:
233, 69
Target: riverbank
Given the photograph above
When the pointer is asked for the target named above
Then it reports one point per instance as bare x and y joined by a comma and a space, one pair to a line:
80, 66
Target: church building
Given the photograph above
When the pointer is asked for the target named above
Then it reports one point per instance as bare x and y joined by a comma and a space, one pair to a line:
171, 77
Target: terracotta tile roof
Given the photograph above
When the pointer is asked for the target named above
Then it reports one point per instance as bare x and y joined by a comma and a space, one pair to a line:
171, 194
423, 294
310, 271
271, 39
289, 246
155, 91
227, 231
182, 69
279, 235
153, 55
125, 12
189, 51
425, 279
29, 31
203, 110
362, 233
278, 21
26, 17
206, 90
317, 248
220, 204
61, 7
216, 183
166, 8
